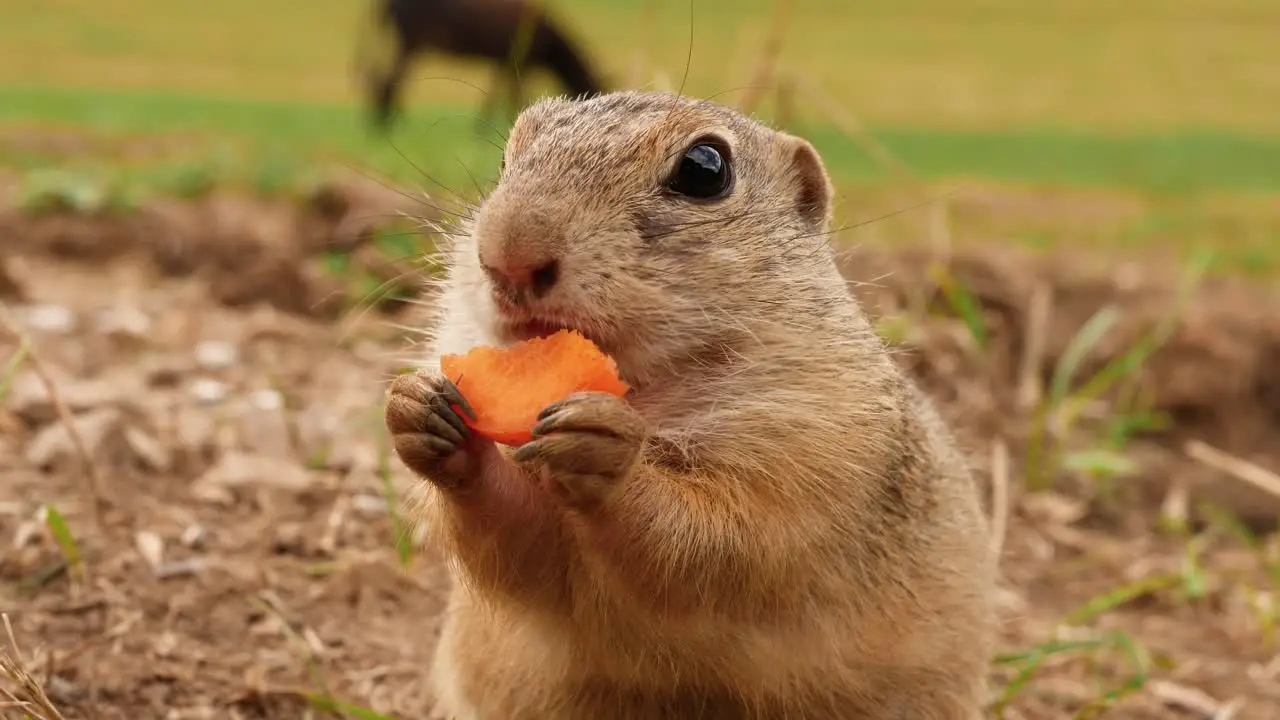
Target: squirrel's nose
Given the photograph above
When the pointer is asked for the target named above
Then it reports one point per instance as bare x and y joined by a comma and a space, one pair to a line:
535, 277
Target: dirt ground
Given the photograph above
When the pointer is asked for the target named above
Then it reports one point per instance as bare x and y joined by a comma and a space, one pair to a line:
240, 556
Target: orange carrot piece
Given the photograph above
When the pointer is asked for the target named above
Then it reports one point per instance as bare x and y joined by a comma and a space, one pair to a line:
508, 387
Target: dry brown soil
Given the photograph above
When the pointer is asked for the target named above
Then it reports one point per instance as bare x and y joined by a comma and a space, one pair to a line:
239, 553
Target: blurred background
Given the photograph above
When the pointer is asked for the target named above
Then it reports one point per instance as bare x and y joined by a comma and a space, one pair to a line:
1161, 116
216, 221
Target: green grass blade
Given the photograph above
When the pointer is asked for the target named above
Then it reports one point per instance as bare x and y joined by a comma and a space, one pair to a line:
1121, 595
1085, 340
1127, 364
1038, 445
326, 704
11, 368
1141, 661
66, 542
1031, 661
963, 303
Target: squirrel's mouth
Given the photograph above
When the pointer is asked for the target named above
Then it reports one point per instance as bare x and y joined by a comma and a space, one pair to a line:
530, 329
513, 329
517, 327
517, 324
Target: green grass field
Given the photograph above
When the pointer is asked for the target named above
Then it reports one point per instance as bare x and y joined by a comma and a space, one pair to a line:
1169, 106
1139, 66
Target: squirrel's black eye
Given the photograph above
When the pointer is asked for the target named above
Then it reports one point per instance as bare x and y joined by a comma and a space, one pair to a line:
703, 173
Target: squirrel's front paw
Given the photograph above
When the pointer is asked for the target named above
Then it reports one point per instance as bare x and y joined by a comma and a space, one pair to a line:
586, 443
428, 434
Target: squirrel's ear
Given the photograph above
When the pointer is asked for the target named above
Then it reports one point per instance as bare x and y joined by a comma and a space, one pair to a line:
813, 187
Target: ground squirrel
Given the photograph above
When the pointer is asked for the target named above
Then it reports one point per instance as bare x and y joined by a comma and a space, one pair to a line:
773, 523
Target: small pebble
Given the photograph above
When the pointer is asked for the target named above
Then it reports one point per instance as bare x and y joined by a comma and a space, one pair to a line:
208, 390
370, 505
266, 399
27, 533
181, 568
151, 547
50, 318
215, 355
194, 536
165, 644
124, 321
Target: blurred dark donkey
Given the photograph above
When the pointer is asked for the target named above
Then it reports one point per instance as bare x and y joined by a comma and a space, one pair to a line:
516, 34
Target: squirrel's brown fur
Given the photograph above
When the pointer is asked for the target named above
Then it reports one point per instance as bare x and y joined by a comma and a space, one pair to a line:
773, 524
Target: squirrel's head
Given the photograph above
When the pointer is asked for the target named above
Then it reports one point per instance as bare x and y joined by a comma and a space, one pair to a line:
651, 223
